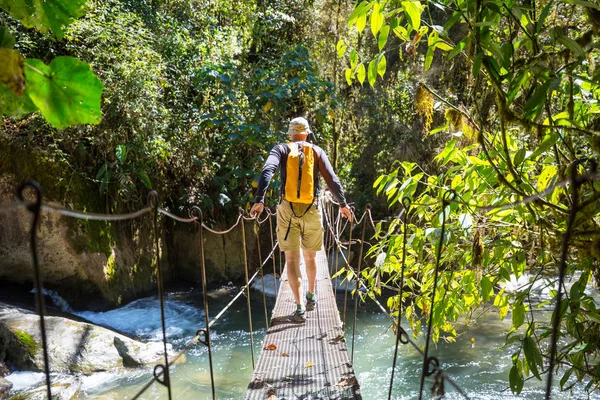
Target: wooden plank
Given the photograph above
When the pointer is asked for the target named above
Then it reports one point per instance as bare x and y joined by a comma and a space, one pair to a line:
311, 359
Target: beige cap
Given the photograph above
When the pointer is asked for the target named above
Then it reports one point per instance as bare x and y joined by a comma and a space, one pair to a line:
299, 125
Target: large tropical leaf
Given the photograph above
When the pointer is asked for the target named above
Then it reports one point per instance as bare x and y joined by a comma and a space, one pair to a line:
67, 92
45, 14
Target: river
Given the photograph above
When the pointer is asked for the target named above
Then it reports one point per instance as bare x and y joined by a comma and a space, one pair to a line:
481, 370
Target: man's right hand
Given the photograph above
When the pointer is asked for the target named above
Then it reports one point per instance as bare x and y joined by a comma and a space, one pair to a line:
256, 210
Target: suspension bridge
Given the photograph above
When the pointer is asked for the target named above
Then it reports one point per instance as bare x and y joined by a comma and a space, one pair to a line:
307, 361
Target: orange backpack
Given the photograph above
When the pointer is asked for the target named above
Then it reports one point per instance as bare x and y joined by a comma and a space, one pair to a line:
300, 173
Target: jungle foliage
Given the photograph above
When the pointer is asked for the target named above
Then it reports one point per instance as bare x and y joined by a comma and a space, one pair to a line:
513, 88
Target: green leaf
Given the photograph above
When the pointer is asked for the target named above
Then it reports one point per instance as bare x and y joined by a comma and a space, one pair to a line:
361, 73
341, 48
349, 76
440, 44
536, 102
372, 72
547, 142
121, 153
45, 15
7, 40
144, 178
518, 314
533, 356
12, 105
516, 83
487, 289
565, 378
381, 65
376, 19
413, 10
465, 220
360, 10
383, 37
542, 18
429, 58
519, 157
353, 59
572, 45
548, 173
102, 171
361, 22
516, 380
11, 71
66, 92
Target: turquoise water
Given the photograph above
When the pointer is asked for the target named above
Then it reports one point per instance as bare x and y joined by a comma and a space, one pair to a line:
481, 371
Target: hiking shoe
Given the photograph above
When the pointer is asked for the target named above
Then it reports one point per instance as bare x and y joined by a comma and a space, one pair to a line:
311, 302
298, 316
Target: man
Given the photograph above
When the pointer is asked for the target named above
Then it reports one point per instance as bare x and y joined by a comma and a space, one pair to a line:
298, 219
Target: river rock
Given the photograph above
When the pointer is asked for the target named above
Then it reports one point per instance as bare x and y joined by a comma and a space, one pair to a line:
5, 387
73, 346
63, 388
3, 370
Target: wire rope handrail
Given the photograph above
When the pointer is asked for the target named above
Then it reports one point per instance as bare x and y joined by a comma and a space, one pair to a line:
30, 198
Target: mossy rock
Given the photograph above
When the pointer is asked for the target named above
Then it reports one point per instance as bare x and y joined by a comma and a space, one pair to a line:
28, 341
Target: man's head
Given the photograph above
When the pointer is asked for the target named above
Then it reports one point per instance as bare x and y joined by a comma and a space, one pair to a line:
299, 129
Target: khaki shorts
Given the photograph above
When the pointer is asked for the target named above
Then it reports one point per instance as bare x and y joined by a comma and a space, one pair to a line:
305, 232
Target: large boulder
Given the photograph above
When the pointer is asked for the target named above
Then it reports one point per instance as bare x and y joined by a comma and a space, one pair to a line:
73, 346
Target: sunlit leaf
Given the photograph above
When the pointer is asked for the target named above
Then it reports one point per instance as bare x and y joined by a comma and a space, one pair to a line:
376, 19
45, 15
381, 66
66, 92
372, 72
341, 48
383, 36
413, 10
361, 73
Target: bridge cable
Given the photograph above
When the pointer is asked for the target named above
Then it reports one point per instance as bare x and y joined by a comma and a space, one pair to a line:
207, 341
262, 274
356, 292
273, 253
35, 208
247, 286
400, 333
348, 264
577, 182
153, 202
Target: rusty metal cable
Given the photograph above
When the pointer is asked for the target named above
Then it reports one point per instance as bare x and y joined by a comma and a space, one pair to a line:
356, 292
272, 253
35, 208
247, 285
153, 202
577, 182
262, 275
425, 371
348, 266
205, 300
401, 335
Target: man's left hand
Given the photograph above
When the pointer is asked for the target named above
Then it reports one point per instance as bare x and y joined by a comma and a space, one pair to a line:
347, 213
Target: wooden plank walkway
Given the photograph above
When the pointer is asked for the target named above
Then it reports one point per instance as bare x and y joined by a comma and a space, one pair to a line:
311, 359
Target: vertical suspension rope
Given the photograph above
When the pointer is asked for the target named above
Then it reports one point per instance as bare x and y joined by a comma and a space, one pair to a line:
262, 275
35, 208
247, 286
348, 266
338, 248
356, 291
273, 252
153, 203
200, 216
562, 270
449, 195
399, 330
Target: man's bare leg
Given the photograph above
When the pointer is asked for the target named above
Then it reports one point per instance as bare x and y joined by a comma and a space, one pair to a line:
292, 259
310, 260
